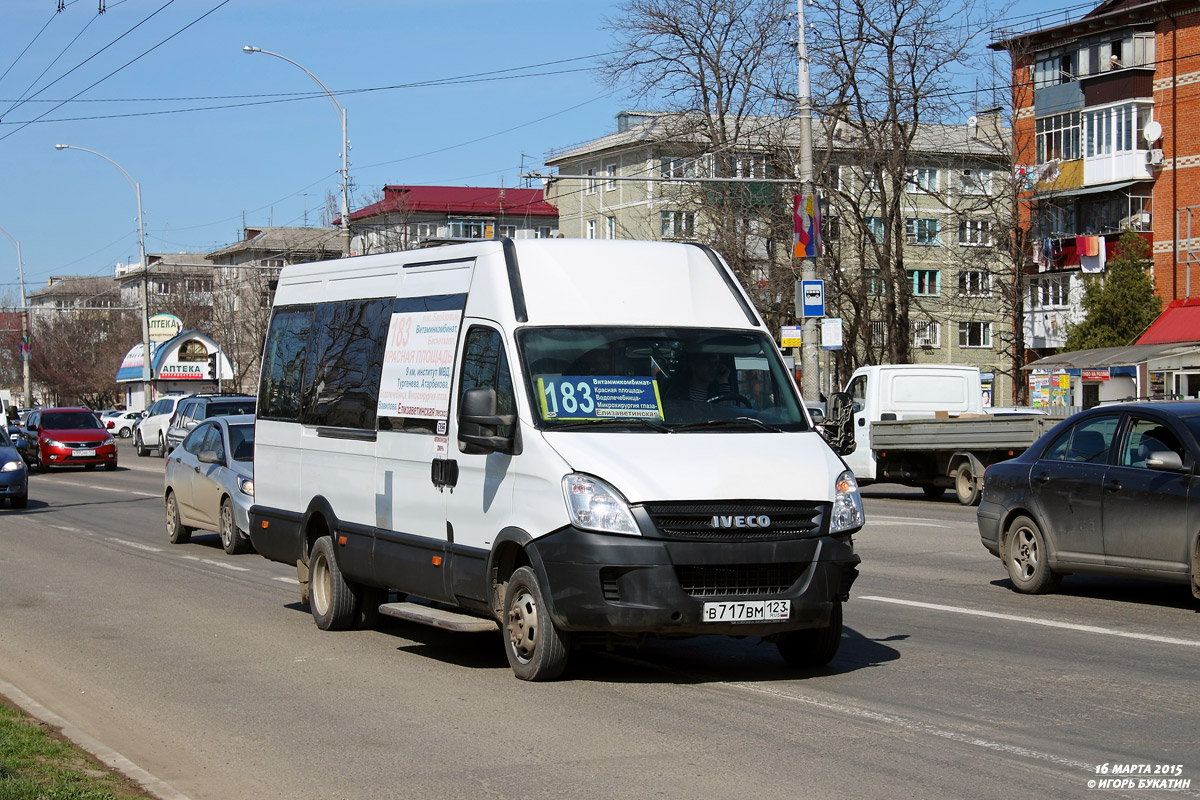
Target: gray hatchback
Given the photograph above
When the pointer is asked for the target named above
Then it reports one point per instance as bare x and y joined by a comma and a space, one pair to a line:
1113, 490
209, 482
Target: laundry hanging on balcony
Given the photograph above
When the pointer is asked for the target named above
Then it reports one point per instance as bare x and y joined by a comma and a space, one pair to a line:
1092, 258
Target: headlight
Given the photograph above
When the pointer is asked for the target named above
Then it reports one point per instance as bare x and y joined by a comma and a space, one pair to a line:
595, 506
13, 466
246, 485
52, 443
847, 505
108, 440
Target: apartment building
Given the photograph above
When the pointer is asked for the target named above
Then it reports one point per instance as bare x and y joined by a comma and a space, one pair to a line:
650, 179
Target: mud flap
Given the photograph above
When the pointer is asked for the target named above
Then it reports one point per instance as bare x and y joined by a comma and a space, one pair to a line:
302, 577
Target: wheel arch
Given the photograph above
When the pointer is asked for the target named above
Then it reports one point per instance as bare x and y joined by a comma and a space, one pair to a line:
1026, 511
513, 548
318, 520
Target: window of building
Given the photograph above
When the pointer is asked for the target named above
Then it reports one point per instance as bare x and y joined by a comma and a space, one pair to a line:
974, 334
1050, 291
676, 168
1058, 136
878, 332
974, 283
874, 229
467, 228
975, 232
591, 229
926, 333
508, 230
922, 180
610, 227
925, 282
750, 165
833, 177
1055, 69
1114, 130
975, 181
921, 231
875, 282
831, 228
610, 184
591, 183
541, 232
677, 224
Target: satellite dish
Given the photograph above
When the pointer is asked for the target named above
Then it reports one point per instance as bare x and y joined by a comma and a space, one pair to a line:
1152, 131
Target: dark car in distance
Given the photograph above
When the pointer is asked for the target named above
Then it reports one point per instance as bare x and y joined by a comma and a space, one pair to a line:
68, 437
1114, 490
14, 477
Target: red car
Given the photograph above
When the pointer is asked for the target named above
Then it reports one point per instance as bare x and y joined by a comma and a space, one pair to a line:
68, 437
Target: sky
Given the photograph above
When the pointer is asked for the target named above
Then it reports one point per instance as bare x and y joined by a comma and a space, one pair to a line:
218, 139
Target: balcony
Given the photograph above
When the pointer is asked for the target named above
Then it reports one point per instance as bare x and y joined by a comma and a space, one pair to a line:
1131, 165
1113, 86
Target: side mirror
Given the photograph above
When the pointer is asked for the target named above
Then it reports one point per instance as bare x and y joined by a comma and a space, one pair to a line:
478, 420
209, 457
1165, 461
839, 423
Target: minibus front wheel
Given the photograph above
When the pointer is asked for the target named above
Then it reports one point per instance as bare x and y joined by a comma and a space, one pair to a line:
537, 651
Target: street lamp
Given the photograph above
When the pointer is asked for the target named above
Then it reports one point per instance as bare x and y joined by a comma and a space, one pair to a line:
26, 350
249, 50
137, 188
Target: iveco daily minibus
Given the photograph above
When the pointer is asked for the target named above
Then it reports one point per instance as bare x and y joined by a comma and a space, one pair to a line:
577, 442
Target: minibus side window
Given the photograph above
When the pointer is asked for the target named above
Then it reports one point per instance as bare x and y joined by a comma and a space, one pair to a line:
345, 358
484, 364
283, 364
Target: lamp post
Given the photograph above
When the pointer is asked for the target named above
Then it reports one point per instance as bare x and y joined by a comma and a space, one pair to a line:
341, 112
137, 188
26, 353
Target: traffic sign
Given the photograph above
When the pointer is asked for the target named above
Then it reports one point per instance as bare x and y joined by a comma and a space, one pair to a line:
813, 298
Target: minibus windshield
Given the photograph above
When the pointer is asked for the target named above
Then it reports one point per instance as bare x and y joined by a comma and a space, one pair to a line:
658, 380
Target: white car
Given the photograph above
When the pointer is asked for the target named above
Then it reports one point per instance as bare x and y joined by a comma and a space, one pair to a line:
151, 432
121, 423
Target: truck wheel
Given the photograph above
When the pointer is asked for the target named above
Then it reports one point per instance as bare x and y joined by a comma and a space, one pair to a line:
1029, 559
933, 492
140, 446
232, 540
813, 647
536, 650
333, 601
177, 532
965, 487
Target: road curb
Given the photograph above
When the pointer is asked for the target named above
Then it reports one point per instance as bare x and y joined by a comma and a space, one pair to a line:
109, 757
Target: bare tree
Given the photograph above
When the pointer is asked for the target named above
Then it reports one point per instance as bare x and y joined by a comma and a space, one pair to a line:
76, 353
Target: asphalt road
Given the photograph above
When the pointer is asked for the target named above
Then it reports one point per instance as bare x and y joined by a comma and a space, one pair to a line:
204, 670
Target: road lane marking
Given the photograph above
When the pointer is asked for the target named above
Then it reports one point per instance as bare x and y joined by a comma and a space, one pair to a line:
286, 579
216, 563
65, 528
1049, 623
135, 545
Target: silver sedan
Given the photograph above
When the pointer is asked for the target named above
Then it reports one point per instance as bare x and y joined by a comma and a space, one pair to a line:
209, 482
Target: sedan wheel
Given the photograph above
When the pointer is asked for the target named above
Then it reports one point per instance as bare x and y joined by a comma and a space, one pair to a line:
233, 540
177, 532
1028, 558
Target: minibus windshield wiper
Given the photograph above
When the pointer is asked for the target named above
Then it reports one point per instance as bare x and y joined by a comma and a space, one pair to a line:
736, 422
612, 422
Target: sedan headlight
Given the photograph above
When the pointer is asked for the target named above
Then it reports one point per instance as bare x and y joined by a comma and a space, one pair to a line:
595, 506
847, 505
52, 442
13, 466
246, 485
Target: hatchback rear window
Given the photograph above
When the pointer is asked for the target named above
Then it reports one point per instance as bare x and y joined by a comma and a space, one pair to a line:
227, 409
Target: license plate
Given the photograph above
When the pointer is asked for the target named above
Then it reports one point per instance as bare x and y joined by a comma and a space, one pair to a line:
83, 452
748, 611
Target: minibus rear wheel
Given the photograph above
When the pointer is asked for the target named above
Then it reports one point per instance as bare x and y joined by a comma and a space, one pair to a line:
537, 651
333, 601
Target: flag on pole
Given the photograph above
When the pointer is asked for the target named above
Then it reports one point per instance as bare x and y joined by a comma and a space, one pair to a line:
807, 217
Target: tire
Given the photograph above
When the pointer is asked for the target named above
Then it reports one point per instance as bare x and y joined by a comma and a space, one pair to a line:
233, 540
537, 651
162, 447
965, 486
333, 601
111, 466
1195, 568
933, 492
813, 647
19, 502
140, 446
125, 433
177, 532
1028, 558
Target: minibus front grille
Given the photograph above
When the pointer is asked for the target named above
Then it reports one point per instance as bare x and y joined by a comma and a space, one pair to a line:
738, 580
737, 521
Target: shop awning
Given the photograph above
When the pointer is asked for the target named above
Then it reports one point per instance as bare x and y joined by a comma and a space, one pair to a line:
1100, 357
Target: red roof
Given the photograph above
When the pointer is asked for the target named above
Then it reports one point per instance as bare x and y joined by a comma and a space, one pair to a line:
1179, 322
459, 200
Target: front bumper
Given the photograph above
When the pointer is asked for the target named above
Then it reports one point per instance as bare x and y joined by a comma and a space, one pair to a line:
66, 456
635, 585
14, 484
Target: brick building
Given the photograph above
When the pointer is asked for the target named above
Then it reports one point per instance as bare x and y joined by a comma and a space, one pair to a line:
1106, 134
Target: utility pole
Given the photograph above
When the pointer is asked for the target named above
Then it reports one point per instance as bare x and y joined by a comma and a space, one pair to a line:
810, 379
26, 349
